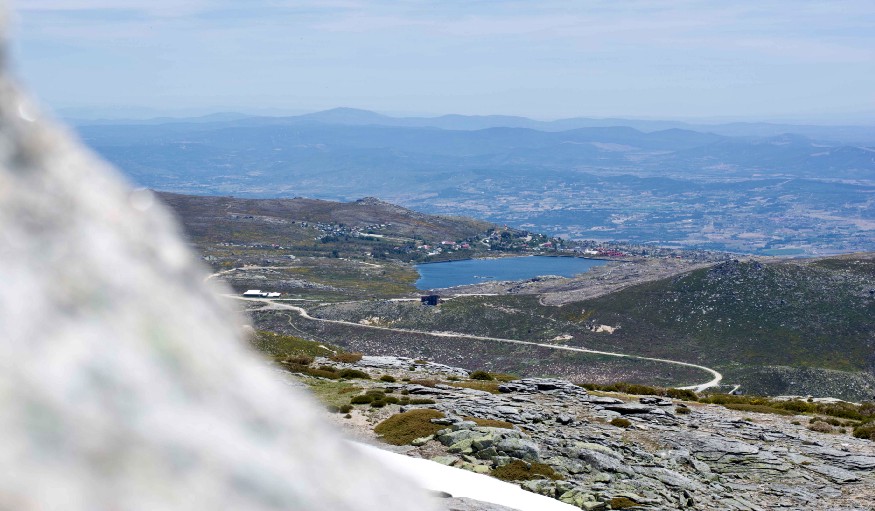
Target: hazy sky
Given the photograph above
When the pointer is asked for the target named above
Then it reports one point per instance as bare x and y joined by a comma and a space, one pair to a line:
762, 59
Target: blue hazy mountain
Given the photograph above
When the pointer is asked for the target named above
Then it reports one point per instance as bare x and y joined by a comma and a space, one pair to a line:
676, 186
853, 135
278, 150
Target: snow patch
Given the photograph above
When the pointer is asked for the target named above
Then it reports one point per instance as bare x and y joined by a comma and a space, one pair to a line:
461, 483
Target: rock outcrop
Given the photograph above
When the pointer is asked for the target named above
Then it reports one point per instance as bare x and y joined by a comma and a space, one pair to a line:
694, 456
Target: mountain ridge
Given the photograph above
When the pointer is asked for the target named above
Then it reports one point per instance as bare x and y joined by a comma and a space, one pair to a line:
853, 134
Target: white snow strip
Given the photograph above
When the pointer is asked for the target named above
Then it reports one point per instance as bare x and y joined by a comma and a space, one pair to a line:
462, 483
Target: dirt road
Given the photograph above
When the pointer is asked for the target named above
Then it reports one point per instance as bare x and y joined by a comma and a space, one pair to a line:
698, 387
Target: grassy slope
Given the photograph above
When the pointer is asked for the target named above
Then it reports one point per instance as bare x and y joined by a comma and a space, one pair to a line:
324, 250
234, 233
799, 326
328, 279
791, 327
211, 221
801, 315
473, 354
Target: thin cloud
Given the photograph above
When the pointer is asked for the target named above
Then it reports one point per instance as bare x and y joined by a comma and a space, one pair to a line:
159, 8
643, 55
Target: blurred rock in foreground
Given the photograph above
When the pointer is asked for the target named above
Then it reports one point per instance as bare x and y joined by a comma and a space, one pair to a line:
124, 383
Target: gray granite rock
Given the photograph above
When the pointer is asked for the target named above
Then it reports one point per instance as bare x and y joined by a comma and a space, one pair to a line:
421, 390
519, 448
603, 462
630, 408
835, 474
466, 504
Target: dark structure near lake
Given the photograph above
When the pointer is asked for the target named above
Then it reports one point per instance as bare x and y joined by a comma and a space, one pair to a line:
430, 299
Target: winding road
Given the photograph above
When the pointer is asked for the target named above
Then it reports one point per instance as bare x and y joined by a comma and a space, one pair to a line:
715, 381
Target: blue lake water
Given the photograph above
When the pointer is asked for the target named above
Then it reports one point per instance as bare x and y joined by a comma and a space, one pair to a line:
476, 271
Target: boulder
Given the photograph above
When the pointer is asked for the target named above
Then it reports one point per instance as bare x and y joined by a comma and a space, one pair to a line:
631, 408
519, 448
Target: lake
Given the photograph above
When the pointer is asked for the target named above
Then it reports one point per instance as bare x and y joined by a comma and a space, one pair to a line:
477, 271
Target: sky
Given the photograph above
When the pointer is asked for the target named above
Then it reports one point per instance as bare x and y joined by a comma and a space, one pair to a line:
787, 60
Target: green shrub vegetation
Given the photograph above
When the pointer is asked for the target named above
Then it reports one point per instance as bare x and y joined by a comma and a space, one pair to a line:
347, 358
331, 392
832, 421
643, 390
770, 306
490, 423
862, 412
281, 345
310, 371
620, 422
684, 394
846, 410
388, 378
866, 431
425, 382
490, 386
480, 375
821, 427
403, 428
350, 374
306, 369
622, 503
682, 410
297, 359
518, 470
378, 399
420, 401
361, 399
742, 407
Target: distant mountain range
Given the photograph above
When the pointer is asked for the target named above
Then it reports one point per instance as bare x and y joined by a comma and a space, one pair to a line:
648, 183
847, 134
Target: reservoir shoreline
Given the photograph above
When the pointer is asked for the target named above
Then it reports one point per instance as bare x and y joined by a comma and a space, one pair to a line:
444, 274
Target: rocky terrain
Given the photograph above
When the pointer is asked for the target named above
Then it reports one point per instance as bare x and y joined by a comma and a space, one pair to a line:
773, 327
671, 455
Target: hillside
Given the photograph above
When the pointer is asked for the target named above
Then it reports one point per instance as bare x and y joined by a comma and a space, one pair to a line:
817, 314
777, 326
785, 327
229, 219
328, 250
